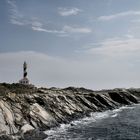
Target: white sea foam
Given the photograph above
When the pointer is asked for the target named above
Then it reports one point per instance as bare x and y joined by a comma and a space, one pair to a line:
96, 116
60, 129
100, 115
114, 115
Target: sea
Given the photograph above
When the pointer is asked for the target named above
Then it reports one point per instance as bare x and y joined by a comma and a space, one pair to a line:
118, 124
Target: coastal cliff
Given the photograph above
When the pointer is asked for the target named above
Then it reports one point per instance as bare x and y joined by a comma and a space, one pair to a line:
26, 111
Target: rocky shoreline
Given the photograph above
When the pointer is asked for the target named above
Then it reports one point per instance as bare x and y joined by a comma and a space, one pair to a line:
26, 111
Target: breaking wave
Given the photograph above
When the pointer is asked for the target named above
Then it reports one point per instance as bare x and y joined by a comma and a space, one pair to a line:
61, 132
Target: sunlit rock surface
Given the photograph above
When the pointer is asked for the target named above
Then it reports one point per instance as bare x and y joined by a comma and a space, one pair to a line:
26, 111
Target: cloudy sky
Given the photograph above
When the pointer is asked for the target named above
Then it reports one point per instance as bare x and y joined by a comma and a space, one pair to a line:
89, 43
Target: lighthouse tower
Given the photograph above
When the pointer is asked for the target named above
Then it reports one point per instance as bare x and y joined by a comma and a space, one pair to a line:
24, 80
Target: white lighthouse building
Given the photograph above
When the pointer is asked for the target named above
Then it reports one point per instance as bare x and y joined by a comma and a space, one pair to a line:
24, 80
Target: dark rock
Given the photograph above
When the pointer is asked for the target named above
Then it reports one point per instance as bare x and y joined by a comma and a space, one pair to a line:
34, 135
6, 137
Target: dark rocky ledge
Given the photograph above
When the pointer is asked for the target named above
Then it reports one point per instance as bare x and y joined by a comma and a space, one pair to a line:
25, 112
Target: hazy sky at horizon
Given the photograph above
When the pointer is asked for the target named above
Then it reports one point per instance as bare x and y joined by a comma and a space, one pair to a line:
89, 43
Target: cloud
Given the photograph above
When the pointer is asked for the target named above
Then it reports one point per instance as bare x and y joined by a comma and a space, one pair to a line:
47, 31
19, 19
37, 26
15, 16
69, 29
118, 15
68, 11
117, 47
46, 70
17, 22
64, 31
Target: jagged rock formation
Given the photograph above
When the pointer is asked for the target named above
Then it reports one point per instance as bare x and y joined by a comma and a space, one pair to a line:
25, 110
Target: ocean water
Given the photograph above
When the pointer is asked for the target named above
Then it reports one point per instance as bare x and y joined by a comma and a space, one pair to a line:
118, 124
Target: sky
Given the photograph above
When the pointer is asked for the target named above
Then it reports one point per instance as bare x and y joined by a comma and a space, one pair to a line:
83, 43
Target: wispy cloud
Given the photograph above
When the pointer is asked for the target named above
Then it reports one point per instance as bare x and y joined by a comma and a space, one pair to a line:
116, 47
69, 29
38, 26
40, 29
118, 15
65, 30
68, 11
15, 16
19, 19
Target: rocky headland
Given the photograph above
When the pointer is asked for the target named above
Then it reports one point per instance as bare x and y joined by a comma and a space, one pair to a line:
26, 111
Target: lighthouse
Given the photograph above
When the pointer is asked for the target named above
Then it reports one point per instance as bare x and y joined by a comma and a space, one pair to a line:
24, 80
